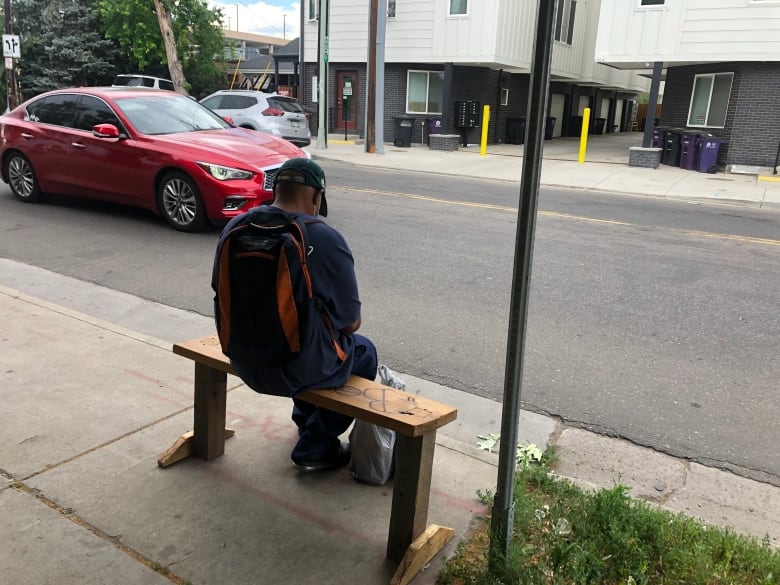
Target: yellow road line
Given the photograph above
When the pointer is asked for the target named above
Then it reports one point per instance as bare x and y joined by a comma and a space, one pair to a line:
731, 237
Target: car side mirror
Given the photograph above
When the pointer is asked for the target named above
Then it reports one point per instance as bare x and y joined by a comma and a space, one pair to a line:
105, 131
229, 120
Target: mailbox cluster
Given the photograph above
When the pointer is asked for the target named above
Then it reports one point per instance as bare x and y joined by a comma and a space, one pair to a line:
467, 114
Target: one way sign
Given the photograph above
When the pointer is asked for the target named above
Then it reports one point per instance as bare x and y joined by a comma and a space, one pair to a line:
12, 47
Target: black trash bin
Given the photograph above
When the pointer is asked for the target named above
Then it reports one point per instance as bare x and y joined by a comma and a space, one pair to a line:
576, 125
434, 126
515, 130
403, 131
689, 148
549, 128
600, 125
671, 154
659, 137
707, 159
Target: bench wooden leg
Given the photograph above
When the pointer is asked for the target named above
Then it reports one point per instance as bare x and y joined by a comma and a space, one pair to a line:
411, 491
207, 440
420, 552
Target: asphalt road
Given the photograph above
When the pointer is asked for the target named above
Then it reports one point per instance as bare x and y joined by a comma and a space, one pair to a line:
651, 320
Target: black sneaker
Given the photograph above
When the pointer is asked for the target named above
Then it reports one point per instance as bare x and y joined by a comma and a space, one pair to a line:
334, 460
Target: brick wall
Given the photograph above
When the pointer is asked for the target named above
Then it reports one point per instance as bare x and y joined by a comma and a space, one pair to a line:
752, 125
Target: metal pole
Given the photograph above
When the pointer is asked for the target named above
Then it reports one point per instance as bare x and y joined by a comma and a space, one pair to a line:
322, 78
379, 122
502, 523
370, 142
652, 102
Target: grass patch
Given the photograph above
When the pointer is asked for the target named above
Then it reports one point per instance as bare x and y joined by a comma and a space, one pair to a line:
564, 535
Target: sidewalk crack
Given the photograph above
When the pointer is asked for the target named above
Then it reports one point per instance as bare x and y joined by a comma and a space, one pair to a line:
114, 540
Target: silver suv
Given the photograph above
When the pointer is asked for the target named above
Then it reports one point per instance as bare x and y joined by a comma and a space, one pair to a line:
268, 112
134, 80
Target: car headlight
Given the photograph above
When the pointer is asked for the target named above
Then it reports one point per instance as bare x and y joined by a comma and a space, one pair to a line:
221, 173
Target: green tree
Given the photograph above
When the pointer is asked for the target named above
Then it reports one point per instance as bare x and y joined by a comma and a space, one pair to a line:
133, 24
61, 46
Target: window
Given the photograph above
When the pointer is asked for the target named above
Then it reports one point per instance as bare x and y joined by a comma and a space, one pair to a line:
391, 8
424, 91
314, 9
651, 2
564, 20
459, 7
93, 111
710, 100
504, 97
56, 109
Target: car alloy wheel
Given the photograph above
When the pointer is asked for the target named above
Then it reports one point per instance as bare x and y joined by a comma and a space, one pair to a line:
180, 202
21, 178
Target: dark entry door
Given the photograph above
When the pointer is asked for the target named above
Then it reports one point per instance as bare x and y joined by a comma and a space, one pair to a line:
346, 107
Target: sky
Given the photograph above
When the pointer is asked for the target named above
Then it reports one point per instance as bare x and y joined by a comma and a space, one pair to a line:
276, 18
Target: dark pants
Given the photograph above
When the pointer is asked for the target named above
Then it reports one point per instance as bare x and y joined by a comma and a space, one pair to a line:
319, 428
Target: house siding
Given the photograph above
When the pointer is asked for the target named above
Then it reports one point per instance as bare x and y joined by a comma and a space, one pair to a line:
690, 30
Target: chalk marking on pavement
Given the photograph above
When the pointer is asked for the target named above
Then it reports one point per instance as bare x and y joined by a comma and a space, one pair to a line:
713, 235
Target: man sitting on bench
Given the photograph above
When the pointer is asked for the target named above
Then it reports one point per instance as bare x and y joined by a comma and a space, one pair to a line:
335, 351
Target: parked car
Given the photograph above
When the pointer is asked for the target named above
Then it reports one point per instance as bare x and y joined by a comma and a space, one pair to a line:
154, 149
268, 112
135, 80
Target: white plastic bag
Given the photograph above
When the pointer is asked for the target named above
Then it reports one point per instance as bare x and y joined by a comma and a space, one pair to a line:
373, 447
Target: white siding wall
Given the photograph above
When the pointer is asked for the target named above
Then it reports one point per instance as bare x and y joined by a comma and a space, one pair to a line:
689, 31
576, 60
409, 36
515, 31
466, 39
495, 33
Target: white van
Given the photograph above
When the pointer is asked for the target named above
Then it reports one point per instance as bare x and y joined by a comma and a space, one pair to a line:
133, 80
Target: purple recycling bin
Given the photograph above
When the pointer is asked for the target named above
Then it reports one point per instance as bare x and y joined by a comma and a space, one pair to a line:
689, 148
708, 153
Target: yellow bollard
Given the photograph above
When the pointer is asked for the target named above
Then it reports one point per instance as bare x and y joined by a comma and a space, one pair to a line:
584, 135
485, 121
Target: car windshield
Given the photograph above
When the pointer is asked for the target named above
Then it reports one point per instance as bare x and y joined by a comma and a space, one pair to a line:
168, 114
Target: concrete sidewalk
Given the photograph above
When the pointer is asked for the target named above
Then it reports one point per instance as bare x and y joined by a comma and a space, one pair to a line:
606, 168
92, 395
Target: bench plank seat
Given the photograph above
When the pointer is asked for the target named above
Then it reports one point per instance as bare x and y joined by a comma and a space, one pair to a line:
415, 418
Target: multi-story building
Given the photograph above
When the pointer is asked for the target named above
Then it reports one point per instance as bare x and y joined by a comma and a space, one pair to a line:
245, 46
439, 52
722, 61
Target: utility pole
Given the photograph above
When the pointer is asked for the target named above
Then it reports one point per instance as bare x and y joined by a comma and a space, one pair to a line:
373, 7
301, 70
322, 78
375, 94
166, 28
14, 97
379, 116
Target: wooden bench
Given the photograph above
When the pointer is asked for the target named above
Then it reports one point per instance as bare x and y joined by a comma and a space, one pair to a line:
410, 542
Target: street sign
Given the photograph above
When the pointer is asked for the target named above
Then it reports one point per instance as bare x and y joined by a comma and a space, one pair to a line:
9, 63
12, 46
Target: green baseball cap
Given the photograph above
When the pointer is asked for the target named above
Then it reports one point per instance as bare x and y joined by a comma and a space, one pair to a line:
305, 172
301, 170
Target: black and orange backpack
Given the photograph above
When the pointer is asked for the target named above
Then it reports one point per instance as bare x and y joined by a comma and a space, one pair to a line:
263, 302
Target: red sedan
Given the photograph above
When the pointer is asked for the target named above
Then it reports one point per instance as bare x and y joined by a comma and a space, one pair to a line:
148, 148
